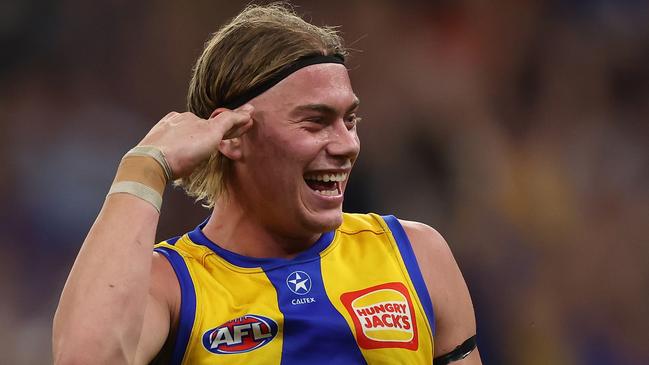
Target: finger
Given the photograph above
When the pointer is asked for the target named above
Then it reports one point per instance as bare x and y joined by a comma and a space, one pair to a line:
232, 123
238, 127
246, 108
238, 131
245, 114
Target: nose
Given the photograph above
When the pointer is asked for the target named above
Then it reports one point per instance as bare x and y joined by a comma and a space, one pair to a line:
343, 142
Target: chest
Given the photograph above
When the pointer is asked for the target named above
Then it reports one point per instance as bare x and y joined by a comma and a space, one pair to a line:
348, 306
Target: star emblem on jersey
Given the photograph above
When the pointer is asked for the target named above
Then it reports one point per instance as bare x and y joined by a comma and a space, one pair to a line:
299, 282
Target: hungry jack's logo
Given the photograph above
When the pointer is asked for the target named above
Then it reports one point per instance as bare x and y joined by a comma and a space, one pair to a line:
383, 316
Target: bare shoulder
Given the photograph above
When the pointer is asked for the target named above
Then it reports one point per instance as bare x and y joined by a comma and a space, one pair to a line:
454, 315
429, 246
164, 283
436, 263
161, 313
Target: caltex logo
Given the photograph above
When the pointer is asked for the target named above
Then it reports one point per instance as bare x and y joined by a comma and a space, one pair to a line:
299, 282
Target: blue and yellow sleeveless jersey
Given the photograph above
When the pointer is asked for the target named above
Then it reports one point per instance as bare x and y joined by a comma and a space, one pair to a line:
355, 297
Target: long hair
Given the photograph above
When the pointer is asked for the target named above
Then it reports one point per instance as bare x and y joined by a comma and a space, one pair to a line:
248, 50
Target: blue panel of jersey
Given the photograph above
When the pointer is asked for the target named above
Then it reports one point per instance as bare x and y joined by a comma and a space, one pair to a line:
409, 258
314, 331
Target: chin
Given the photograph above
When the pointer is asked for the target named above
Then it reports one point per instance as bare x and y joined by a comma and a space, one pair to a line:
325, 221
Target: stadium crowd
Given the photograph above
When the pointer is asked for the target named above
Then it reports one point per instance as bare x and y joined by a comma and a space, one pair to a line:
519, 129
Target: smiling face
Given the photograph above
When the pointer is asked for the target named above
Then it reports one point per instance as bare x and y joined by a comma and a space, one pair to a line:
297, 157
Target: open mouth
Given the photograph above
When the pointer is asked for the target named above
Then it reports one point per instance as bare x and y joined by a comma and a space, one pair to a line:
327, 184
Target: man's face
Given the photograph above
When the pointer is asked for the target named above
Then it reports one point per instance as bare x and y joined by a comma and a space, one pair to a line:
297, 157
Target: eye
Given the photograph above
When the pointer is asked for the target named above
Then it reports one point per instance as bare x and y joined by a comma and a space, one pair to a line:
352, 120
314, 122
315, 119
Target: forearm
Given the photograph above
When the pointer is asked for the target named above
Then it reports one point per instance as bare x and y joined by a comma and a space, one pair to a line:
101, 310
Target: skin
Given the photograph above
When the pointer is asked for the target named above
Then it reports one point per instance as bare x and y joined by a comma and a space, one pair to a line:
304, 124
286, 142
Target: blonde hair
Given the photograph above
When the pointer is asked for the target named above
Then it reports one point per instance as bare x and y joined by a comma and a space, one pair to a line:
248, 50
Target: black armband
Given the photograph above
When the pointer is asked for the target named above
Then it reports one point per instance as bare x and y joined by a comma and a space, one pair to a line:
458, 353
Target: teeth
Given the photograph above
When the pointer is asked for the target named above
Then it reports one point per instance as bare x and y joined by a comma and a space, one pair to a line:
328, 177
327, 192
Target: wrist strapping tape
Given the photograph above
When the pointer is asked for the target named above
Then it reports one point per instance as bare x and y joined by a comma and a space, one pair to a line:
143, 172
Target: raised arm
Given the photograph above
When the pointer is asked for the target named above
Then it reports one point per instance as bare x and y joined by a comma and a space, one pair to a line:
454, 316
120, 299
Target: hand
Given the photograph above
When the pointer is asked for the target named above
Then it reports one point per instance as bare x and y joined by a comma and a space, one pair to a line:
187, 140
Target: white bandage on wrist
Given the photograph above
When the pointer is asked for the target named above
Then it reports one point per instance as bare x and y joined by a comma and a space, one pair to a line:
139, 190
156, 153
143, 172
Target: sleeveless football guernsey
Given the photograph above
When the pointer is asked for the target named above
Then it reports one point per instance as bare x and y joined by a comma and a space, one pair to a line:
356, 296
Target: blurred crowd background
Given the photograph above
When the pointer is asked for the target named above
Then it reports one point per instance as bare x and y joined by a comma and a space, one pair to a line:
518, 128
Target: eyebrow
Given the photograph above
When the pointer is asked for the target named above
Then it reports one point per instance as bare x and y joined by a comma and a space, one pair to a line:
323, 108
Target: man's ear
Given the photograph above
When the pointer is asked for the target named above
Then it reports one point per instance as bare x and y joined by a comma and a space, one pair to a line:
230, 148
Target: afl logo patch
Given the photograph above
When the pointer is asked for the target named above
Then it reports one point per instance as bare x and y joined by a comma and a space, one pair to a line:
383, 316
239, 335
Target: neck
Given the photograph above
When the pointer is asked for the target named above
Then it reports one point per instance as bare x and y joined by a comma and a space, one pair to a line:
239, 230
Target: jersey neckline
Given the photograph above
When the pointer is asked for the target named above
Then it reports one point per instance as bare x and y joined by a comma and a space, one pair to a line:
313, 252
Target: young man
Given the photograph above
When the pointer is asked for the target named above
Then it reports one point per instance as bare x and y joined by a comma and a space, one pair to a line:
278, 273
